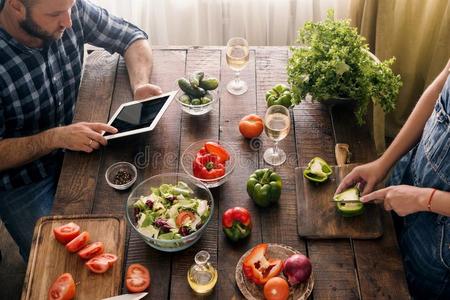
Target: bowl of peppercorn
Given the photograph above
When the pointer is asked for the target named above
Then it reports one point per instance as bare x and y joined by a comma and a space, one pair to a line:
121, 175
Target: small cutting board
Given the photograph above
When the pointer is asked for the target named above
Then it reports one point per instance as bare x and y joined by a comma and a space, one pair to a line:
318, 218
49, 259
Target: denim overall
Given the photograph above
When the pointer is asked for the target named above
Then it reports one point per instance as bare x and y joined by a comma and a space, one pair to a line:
425, 237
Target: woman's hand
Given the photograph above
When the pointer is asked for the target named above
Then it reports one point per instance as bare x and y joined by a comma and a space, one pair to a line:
403, 199
367, 175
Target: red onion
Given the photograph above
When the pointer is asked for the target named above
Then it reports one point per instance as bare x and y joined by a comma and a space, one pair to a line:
297, 269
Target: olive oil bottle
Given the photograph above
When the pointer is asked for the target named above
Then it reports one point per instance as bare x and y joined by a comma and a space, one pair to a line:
202, 276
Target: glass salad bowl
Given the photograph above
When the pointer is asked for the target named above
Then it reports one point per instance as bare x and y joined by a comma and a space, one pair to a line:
198, 108
192, 151
170, 211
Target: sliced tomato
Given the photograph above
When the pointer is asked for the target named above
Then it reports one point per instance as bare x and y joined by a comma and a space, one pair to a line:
98, 264
218, 150
137, 278
63, 288
67, 232
78, 242
91, 250
111, 258
183, 217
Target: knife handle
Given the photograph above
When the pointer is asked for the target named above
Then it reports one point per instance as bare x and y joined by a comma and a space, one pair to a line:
341, 151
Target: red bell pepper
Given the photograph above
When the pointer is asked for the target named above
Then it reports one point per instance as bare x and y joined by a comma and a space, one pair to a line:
218, 150
258, 268
236, 223
207, 166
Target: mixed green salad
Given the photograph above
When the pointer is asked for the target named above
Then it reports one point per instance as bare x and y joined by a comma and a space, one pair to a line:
170, 212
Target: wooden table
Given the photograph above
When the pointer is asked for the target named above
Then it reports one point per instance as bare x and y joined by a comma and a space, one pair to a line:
344, 269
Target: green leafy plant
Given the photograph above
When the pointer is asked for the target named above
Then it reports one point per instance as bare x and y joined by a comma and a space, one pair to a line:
335, 63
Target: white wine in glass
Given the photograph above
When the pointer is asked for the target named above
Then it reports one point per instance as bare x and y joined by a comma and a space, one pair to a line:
237, 58
277, 123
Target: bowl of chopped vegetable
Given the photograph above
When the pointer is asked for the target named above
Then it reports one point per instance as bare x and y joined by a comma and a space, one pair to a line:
170, 211
211, 162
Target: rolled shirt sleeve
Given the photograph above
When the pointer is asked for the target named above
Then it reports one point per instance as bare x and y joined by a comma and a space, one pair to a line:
104, 30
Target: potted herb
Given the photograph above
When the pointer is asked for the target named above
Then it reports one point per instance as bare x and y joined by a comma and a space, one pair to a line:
336, 64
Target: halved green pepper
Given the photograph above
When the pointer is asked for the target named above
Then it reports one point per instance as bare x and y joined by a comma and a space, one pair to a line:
317, 170
349, 209
264, 187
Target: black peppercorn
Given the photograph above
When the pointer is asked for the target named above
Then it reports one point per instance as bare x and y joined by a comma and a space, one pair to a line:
122, 177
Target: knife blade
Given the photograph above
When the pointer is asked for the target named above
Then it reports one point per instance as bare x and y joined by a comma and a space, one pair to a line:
346, 201
127, 297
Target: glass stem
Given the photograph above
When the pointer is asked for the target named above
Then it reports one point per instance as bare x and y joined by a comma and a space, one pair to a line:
275, 148
236, 78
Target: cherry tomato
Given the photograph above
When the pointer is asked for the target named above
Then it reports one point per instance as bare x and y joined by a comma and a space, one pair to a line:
276, 288
183, 217
91, 250
251, 126
67, 232
218, 150
98, 264
78, 242
137, 278
63, 288
111, 258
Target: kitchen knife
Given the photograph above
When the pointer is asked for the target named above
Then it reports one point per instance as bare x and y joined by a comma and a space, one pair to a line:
127, 297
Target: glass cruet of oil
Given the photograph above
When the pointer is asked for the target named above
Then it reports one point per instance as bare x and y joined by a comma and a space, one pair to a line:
202, 276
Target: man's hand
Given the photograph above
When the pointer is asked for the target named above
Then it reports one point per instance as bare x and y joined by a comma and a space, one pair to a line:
81, 136
145, 91
367, 175
403, 199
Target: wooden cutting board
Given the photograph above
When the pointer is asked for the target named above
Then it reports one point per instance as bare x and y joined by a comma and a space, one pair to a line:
318, 218
49, 259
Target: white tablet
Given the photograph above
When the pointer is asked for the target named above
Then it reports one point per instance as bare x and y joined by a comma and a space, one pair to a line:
139, 116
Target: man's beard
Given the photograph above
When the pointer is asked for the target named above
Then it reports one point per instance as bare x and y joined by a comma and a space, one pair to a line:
33, 29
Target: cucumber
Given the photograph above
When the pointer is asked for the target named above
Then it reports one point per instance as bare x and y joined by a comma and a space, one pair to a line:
195, 79
186, 87
185, 99
209, 84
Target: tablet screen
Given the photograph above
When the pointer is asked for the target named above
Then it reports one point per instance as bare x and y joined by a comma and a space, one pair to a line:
138, 115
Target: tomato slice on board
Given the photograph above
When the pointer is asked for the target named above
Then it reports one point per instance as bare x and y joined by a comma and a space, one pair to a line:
218, 150
63, 288
98, 264
111, 258
78, 242
67, 232
183, 217
91, 250
137, 278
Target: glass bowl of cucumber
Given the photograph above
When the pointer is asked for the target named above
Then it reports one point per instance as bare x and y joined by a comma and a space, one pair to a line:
197, 93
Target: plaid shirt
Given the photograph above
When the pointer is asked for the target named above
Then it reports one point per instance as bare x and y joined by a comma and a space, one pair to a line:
39, 87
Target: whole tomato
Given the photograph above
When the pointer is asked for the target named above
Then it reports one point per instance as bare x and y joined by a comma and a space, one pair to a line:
251, 126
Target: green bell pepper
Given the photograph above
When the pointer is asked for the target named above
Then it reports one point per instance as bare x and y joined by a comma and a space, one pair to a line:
264, 187
349, 209
279, 95
317, 170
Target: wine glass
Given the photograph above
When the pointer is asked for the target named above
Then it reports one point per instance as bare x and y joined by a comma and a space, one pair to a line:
237, 59
277, 123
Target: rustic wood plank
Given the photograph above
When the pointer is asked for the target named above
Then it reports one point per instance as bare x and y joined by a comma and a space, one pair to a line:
332, 260
278, 222
233, 193
194, 128
149, 152
76, 187
379, 263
